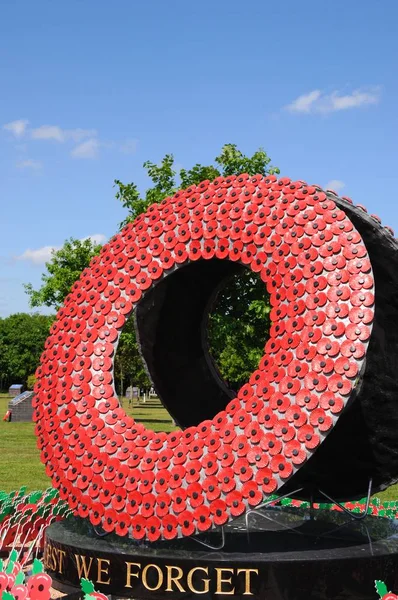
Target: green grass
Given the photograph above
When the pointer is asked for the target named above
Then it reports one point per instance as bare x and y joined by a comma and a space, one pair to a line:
20, 459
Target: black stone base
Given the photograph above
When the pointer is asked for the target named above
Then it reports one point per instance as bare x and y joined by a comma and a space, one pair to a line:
286, 554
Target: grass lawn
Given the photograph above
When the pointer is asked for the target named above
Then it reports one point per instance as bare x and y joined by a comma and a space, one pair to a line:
20, 459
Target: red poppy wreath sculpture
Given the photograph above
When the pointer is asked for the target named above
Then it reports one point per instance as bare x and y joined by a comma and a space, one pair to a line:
317, 269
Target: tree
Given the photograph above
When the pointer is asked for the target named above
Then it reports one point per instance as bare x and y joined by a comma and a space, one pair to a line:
22, 338
63, 270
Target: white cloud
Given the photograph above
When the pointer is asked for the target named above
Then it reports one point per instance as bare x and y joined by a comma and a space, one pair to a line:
43, 255
29, 163
304, 103
87, 149
39, 256
319, 102
54, 132
97, 238
17, 128
335, 184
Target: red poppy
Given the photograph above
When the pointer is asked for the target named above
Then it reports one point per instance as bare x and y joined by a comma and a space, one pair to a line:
308, 437
163, 502
185, 521
234, 501
293, 451
169, 527
202, 517
138, 524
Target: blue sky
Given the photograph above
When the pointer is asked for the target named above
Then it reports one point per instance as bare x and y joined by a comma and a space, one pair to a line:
91, 89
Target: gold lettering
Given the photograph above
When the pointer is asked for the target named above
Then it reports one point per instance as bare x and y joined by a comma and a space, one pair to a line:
53, 556
174, 579
205, 581
61, 560
129, 574
82, 566
247, 573
102, 571
145, 581
220, 581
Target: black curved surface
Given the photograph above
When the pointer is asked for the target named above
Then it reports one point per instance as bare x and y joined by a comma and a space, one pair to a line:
323, 556
364, 443
171, 328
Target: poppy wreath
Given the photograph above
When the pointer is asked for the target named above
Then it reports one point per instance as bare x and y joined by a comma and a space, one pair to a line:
317, 271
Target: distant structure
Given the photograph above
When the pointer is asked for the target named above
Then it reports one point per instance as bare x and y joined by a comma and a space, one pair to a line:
21, 407
15, 389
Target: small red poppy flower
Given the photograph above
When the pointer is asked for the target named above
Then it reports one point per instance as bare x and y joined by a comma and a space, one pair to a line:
258, 457
243, 470
331, 402
196, 449
210, 464
344, 366
195, 250
253, 432
119, 499
166, 259
164, 459
170, 525
265, 479
146, 483
195, 494
109, 520
296, 416
320, 420
147, 508
153, 528
271, 444
123, 525
212, 442
234, 501
155, 270
289, 385
96, 513
284, 430
328, 346
177, 475
267, 418
293, 451
163, 502
211, 488
225, 455
138, 527
241, 419
218, 509
354, 349
193, 468
308, 437
149, 461
340, 385
209, 248
279, 402
226, 479
185, 521
280, 466
240, 445
202, 518
179, 500
162, 481
180, 455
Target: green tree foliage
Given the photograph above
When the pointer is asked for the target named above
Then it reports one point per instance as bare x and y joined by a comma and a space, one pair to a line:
22, 338
62, 270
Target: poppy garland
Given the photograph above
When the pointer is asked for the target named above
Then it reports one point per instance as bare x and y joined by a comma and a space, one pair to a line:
316, 268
